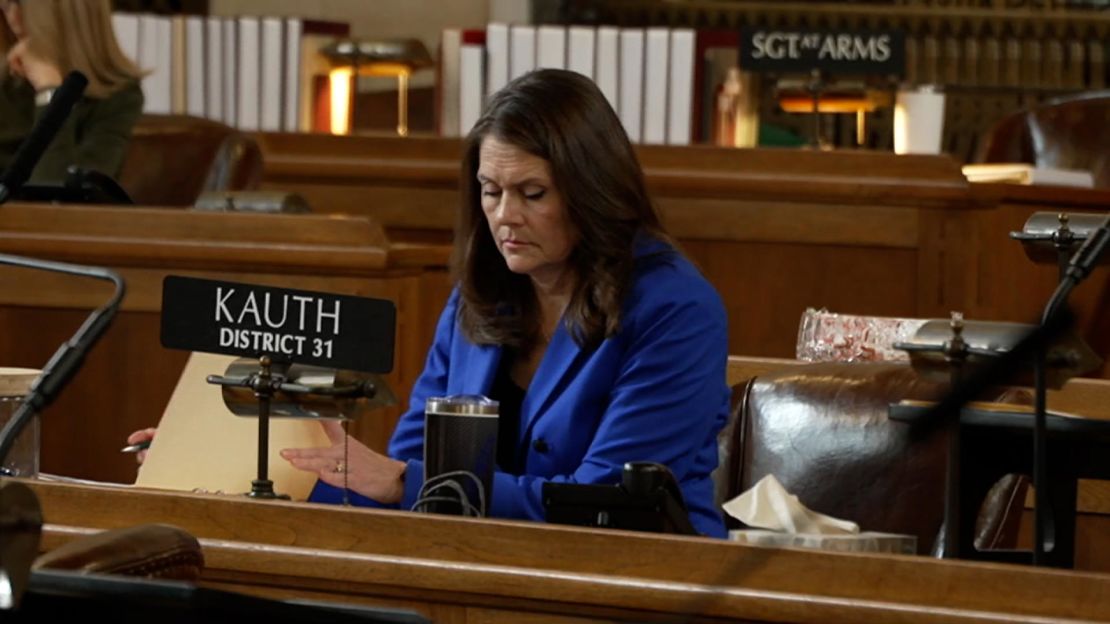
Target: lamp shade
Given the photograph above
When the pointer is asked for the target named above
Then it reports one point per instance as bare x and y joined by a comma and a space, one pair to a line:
379, 58
1045, 234
1068, 356
306, 392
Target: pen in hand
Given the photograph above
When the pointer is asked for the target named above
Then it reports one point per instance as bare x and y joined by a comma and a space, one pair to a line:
135, 448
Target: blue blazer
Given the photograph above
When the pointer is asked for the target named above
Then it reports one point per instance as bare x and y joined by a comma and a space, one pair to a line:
655, 391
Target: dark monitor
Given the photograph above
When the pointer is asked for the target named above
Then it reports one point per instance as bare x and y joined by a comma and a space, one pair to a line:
57, 596
81, 186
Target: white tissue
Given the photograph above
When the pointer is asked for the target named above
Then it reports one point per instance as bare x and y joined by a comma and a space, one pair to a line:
767, 505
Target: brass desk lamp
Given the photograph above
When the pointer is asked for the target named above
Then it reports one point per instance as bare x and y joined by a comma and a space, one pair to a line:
352, 58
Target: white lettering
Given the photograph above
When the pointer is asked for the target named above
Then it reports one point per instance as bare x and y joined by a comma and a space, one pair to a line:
882, 45
758, 43
301, 300
227, 337
844, 47
284, 311
250, 307
221, 302
321, 315
792, 41
285, 348
828, 48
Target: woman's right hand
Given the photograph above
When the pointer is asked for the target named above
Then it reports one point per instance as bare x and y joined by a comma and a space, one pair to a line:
41, 73
142, 435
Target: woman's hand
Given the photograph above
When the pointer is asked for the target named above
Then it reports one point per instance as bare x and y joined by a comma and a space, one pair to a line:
371, 474
41, 73
140, 436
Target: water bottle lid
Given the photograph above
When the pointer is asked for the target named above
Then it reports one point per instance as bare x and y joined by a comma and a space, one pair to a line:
462, 405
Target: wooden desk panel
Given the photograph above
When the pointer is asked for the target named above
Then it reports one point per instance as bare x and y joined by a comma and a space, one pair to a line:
128, 377
461, 570
775, 230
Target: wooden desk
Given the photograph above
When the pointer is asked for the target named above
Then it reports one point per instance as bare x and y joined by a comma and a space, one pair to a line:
128, 377
776, 231
459, 570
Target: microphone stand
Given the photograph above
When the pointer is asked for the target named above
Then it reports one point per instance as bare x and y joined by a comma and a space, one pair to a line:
70, 355
1077, 270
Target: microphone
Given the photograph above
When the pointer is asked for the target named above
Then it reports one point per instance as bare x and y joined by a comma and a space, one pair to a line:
69, 357
32, 148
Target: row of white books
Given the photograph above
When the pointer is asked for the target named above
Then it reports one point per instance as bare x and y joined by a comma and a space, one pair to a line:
253, 73
646, 74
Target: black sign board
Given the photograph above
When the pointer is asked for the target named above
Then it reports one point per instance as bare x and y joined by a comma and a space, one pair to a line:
785, 50
335, 331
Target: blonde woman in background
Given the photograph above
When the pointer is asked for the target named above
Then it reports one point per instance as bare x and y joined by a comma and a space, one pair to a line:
40, 42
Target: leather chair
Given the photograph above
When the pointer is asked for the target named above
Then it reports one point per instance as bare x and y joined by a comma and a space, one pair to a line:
148, 551
1072, 133
822, 430
172, 159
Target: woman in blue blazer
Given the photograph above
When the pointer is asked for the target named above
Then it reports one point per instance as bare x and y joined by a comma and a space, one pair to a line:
573, 309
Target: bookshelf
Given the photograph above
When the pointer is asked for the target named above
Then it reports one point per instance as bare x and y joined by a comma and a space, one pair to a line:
993, 56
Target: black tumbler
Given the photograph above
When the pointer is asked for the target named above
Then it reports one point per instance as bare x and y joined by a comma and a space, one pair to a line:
460, 450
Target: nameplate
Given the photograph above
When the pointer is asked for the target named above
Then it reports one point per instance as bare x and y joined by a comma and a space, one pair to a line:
305, 327
784, 50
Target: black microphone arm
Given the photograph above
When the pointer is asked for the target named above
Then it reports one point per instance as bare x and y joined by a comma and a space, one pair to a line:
32, 148
69, 357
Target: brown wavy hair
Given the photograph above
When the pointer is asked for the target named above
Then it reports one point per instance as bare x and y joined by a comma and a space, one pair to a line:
75, 34
562, 117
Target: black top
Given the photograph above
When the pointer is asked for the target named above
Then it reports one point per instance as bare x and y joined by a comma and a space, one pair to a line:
95, 135
510, 396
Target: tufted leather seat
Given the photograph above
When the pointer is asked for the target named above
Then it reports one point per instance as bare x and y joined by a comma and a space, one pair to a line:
1072, 133
149, 550
172, 159
822, 430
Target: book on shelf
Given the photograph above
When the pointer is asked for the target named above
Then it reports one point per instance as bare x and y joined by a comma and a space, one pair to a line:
195, 66
253, 73
630, 82
272, 100
607, 64
497, 57
680, 104
661, 82
657, 42
1025, 173
551, 47
522, 50
447, 92
472, 73
580, 50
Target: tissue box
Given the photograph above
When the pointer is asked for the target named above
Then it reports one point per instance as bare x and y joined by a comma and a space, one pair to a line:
867, 541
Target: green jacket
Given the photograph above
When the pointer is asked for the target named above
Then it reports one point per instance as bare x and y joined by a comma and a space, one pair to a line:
95, 136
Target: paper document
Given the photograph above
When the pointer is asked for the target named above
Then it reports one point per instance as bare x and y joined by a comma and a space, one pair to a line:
202, 445
1024, 173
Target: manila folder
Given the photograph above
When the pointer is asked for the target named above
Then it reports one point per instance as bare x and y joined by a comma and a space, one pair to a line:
201, 445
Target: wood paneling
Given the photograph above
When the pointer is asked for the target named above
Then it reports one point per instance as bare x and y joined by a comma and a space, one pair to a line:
467, 570
128, 377
776, 231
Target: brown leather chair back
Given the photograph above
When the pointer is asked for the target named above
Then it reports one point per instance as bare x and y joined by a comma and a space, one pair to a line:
148, 550
822, 430
1070, 133
172, 159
